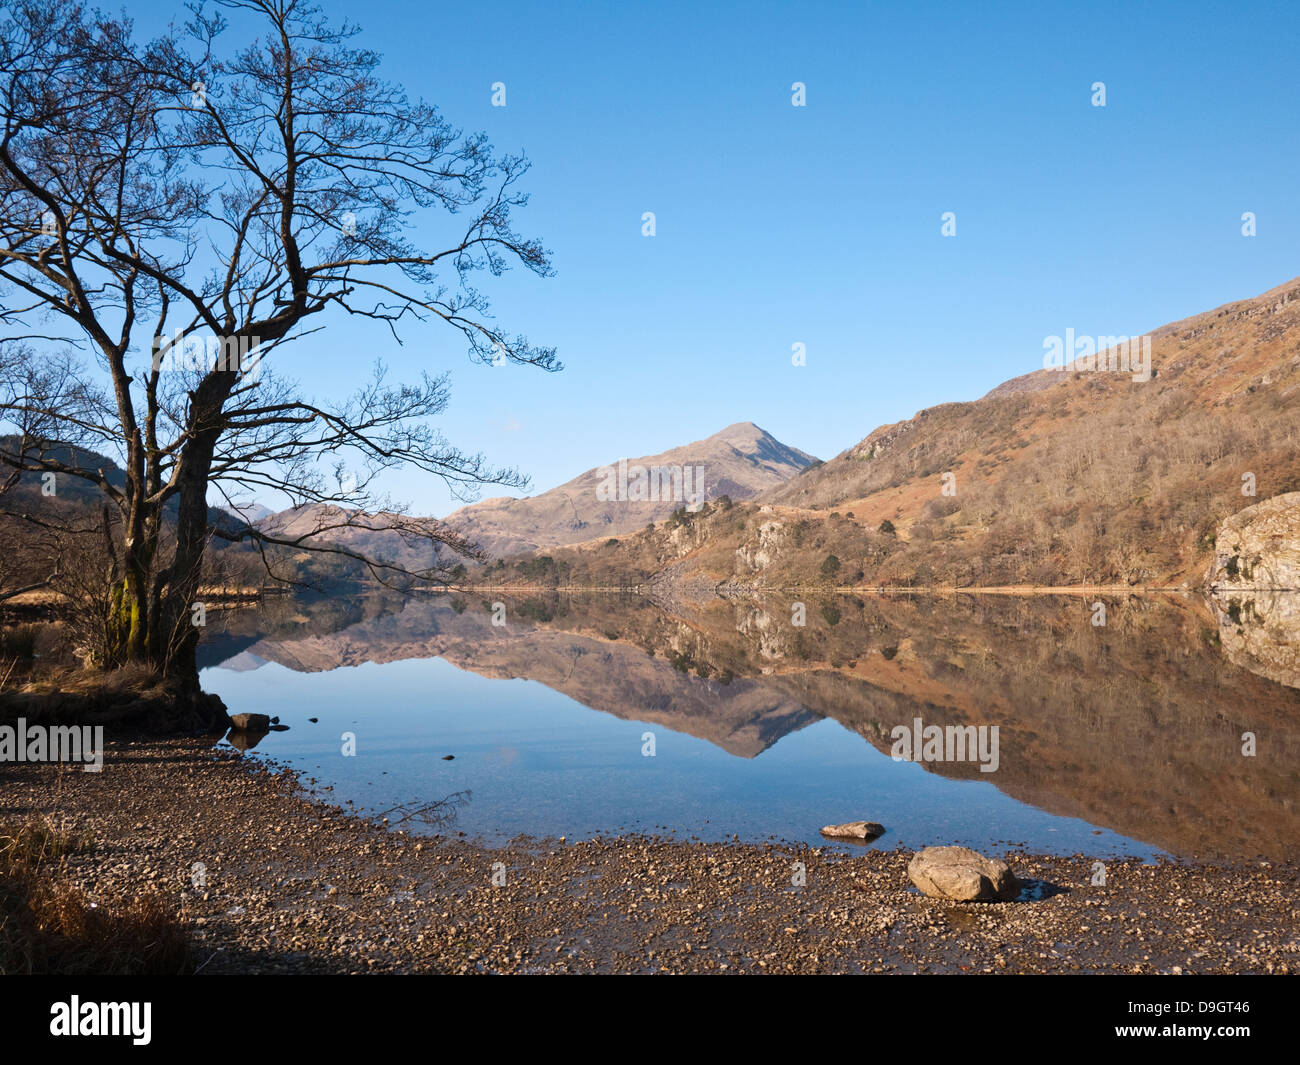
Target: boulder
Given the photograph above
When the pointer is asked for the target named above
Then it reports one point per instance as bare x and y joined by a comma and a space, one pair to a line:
250, 722
962, 874
854, 830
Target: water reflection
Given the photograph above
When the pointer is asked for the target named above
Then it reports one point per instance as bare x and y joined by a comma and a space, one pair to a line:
1143, 727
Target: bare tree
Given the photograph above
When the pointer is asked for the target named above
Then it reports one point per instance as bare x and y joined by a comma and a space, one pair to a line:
155, 192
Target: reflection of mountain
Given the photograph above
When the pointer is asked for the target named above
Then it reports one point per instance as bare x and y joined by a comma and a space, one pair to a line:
1136, 725
743, 717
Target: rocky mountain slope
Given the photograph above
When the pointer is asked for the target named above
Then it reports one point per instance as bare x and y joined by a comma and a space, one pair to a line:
1075, 476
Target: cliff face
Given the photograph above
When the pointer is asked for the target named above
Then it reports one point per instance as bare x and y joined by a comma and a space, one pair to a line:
1259, 547
1254, 585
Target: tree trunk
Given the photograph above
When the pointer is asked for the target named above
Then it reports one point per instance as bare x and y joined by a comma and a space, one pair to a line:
151, 617
178, 628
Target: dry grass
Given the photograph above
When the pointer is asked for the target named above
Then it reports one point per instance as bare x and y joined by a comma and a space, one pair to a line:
105, 684
48, 927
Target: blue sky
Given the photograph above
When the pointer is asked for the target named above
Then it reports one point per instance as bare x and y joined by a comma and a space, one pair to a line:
820, 225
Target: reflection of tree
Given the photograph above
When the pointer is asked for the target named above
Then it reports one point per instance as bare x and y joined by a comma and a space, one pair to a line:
438, 814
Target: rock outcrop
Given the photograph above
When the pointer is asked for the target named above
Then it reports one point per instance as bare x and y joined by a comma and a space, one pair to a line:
1254, 585
1259, 548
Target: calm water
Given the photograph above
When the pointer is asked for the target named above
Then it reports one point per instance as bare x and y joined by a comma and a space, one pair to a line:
1122, 743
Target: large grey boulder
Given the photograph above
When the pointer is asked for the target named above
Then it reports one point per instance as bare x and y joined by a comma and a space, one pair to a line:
962, 874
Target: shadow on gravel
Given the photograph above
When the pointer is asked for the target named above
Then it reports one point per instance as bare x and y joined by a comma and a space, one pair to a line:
1037, 890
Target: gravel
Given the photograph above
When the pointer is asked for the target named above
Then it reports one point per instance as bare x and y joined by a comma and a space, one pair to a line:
291, 883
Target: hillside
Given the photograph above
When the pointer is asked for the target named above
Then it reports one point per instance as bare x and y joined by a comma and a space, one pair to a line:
392, 539
1057, 477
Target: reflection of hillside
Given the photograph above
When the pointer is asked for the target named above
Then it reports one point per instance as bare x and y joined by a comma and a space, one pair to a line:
1136, 725
230, 632
743, 717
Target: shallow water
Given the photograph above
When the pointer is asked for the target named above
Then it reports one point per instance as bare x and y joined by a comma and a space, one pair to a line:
1122, 742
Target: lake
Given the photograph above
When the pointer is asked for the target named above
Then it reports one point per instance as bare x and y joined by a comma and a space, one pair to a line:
589, 715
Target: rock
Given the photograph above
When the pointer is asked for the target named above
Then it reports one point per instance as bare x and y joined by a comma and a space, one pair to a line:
962, 874
448, 757
250, 722
1259, 547
854, 830
1253, 588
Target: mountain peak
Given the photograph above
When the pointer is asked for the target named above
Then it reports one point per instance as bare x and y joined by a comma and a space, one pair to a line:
739, 461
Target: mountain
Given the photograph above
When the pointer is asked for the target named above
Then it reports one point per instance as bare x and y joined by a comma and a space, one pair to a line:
741, 461
248, 512
82, 499
1074, 476
385, 538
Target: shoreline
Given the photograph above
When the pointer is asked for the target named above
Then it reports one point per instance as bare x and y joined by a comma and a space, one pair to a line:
293, 883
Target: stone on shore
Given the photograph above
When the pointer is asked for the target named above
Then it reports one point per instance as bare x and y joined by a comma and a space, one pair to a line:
854, 830
251, 722
963, 875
